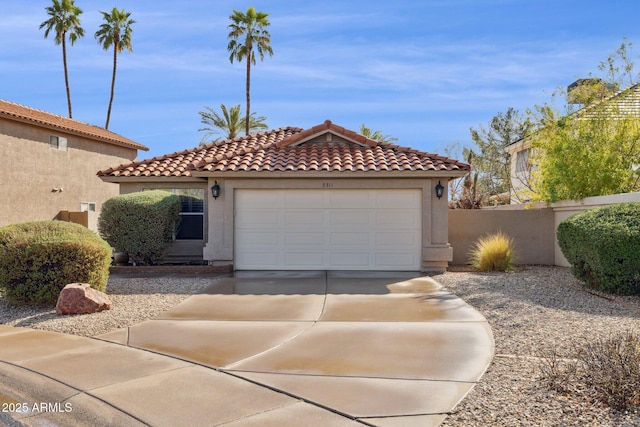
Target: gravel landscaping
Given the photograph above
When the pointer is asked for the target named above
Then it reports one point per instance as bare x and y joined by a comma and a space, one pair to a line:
133, 299
531, 311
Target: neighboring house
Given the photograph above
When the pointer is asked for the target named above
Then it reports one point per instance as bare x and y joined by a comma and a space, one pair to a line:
49, 165
623, 102
324, 198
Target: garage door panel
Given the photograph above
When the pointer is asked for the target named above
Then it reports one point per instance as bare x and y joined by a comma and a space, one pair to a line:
398, 238
304, 217
351, 239
304, 259
396, 220
250, 238
353, 260
301, 199
393, 200
395, 259
304, 238
258, 259
351, 229
258, 217
350, 217
349, 199
264, 199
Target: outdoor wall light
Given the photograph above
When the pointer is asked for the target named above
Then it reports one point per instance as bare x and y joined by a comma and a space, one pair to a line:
439, 190
215, 190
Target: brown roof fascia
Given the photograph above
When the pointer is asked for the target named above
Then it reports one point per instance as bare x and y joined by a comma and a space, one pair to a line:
23, 114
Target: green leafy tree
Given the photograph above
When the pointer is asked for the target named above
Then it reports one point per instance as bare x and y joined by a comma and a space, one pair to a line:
580, 157
376, 135
229, 123
593, 149
64, 19
115, 31
247, 35
491, 162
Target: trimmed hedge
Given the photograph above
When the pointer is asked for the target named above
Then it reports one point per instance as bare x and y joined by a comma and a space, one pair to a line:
603, 247
141, 224
38, 259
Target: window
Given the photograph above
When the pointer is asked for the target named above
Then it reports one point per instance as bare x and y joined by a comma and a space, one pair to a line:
191, 214
58, 143
522, 161
88, 207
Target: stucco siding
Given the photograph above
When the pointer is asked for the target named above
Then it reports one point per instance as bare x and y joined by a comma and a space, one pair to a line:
38, 181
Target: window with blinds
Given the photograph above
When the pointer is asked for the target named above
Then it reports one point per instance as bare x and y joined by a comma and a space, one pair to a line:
191, 225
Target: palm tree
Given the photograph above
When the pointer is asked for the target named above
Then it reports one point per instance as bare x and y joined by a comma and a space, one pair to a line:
64, 18
375, 135
230, 123
116, 32
248, 32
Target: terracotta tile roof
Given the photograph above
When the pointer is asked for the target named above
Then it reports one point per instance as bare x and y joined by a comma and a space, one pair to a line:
41, 118
326, 147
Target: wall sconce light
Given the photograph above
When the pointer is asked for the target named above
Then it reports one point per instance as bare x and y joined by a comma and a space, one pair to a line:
215, 190
439, 190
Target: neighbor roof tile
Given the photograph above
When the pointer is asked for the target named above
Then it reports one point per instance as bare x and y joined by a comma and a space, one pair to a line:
25, 114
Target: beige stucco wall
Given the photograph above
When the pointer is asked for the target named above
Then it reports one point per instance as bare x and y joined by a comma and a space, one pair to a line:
532, 230
436, 251
37, 182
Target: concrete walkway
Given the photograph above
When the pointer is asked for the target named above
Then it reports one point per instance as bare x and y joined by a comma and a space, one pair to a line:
261, 349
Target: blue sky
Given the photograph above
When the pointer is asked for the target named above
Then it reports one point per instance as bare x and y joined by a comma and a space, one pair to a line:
423, 71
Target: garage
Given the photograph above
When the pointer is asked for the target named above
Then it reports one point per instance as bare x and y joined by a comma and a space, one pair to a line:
328, 229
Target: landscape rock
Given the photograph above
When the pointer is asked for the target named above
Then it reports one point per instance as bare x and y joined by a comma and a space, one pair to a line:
81, 298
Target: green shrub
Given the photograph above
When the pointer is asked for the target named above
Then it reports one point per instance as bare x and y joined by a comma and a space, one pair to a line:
141, 224
603, 247
38, 259
493, 253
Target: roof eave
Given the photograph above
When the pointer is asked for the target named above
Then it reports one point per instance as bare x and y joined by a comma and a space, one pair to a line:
126, 179
332, 174
26, 120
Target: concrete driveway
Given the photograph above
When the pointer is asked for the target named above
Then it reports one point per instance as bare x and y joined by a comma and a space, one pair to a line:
281, 349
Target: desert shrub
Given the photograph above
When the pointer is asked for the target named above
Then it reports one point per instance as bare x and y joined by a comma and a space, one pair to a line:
141, 224
38, 259
603, 247
607, 369
493, 252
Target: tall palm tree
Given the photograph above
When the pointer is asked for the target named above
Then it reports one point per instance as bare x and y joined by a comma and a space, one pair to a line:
375, 135
247, 33
64, 18
116, 31
229, 123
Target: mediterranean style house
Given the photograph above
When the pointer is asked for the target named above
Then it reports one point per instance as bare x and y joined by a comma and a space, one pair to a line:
323, 198
49, 165
623, 102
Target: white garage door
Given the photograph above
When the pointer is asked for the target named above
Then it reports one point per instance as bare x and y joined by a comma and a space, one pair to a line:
328, 229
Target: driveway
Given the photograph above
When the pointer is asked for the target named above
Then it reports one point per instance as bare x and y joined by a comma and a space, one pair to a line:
285, 348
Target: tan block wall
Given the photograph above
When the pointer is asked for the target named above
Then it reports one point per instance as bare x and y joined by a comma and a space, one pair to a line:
37, 182
532, 230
